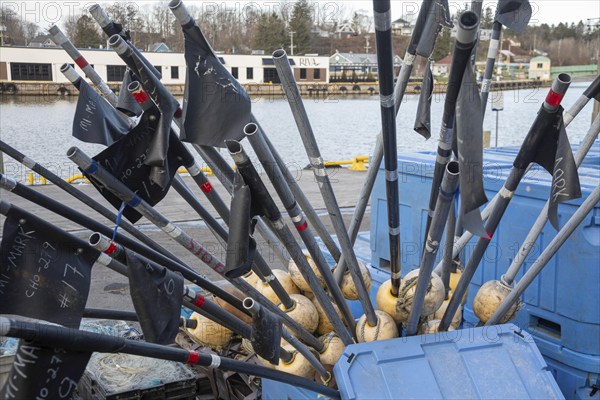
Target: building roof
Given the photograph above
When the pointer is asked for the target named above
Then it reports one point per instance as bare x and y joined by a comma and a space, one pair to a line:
445, 60
540, 59
42, 40
159, 47
401, 21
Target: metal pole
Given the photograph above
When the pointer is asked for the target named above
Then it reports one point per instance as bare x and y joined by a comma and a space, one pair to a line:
541, 220
312, 149
546, 255
497, 116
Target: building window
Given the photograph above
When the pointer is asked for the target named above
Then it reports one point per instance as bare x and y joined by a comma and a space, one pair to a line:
249, 73
540, 65
174, 72
302, 73
270, 75
115, 73
317, 74
234, 72
31, 72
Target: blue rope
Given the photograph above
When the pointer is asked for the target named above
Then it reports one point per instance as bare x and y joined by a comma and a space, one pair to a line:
119, 216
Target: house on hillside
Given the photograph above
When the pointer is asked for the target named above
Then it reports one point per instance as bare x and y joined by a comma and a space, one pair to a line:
442, 67
539, 68
159, 47
402, 27
345, 30
42, 41
356, 66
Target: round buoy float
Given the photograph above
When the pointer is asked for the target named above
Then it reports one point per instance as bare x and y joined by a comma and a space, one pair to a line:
333, 347
456, 320
325, 325
349, 289
299, 279
489, 297
228, 307
284, 278
304, 312
454, 278
251, 278
399, 307
431, 327
208, 332
298, 365
385, 329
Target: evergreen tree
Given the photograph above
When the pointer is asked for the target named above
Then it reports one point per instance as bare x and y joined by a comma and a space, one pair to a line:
301, 24
270, 33
487, 19
86, 34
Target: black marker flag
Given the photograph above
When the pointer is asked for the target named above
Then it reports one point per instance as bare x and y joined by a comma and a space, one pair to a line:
44, 271
216, 106
423, 120
125, 102
44, 274
95, 120
157, 295
124, 159
469, 137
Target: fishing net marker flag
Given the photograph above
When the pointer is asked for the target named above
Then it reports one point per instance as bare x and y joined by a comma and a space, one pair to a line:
95, 120
45, 274
216, 107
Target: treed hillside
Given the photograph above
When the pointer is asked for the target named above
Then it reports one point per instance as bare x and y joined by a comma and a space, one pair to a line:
315, 28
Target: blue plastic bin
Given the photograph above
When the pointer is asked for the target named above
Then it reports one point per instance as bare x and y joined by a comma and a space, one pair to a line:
500, 362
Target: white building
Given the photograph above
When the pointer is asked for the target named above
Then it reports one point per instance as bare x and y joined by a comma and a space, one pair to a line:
43, 64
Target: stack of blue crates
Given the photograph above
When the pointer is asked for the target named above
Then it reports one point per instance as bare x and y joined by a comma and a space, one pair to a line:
562, 307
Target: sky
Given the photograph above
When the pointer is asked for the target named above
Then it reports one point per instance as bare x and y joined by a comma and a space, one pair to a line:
46, 13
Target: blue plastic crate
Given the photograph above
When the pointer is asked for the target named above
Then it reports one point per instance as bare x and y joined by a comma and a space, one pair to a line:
500, 362
565, 301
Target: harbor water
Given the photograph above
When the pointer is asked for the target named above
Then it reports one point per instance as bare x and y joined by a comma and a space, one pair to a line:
40, 127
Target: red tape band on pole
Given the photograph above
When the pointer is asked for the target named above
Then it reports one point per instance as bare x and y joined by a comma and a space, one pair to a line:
302, 227
199, 301
111, 248
81, 62
554, 98
194, 357
206, 187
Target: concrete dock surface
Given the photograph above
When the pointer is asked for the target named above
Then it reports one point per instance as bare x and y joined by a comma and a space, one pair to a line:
110, 290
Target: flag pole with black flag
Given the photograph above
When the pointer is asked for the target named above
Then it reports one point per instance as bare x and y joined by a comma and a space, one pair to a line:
95, 120
181, 237
263, 204
540, 146
88, 342
466, 38
593, 90
168, 260
44, 274
422, 41
126, 103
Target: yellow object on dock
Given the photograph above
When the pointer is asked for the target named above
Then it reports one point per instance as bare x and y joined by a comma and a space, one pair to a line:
356, 164
206, 170
32, 179
77, 177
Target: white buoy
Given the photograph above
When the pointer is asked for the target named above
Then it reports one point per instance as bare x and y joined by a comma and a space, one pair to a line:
208, 332
431, 327
325, 325
454, 278
298, 365
299, 279
456, 320
349, 289
489, 297
304, 312
251, 278
399, 307
228, 307
385, 329
284, 278
333, 347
